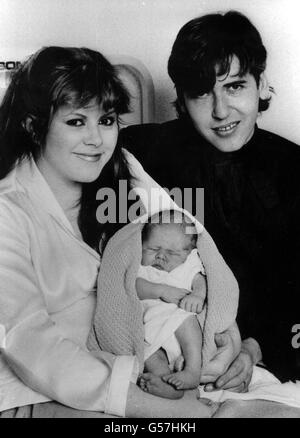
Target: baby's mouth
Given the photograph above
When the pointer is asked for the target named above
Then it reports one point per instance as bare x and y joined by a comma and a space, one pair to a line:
157, 266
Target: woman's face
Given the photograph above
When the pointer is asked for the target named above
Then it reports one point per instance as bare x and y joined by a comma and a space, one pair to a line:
80, 141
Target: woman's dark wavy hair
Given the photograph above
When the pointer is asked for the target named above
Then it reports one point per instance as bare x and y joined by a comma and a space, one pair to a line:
211, 41
50, 78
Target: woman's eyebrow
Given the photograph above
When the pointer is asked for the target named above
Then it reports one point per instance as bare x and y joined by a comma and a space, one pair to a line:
80, 114
108, 113
75, 113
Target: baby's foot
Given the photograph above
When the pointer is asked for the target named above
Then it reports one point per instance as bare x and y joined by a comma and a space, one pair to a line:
179, 363
148, 382
185, 379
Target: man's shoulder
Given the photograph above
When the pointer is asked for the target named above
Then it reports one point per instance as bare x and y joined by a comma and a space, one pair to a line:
160, 148
152, 136
277, 145
280, 158
169, 127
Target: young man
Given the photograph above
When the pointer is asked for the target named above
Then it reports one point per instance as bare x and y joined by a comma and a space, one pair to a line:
251, 181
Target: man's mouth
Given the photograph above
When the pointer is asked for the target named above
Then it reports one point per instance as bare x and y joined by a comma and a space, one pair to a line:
88, 157
226, 129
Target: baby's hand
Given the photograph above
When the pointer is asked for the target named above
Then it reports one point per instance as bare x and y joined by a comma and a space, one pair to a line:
192, 303
172, 294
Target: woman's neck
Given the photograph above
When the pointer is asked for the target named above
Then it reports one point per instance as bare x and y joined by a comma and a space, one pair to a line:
66, 193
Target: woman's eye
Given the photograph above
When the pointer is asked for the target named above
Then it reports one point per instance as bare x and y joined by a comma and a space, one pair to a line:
75, 122
202, 95
107, 121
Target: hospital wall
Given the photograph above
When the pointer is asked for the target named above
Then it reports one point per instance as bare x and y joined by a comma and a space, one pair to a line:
146, 29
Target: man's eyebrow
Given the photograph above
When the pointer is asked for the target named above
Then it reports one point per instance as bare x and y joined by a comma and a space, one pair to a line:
235, 81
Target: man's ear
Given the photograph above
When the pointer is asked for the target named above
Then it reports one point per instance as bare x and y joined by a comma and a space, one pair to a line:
264, 88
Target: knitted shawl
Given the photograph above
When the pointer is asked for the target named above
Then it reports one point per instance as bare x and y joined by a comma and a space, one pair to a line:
118, 321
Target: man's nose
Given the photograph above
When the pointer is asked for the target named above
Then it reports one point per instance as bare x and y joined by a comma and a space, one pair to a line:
94, 136
220, 108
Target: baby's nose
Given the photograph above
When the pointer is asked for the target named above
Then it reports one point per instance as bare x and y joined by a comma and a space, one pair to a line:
160, 255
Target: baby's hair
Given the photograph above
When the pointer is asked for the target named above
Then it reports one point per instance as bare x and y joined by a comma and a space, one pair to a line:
171, 217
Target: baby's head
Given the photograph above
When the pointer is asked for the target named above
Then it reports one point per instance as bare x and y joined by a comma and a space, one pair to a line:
168, 238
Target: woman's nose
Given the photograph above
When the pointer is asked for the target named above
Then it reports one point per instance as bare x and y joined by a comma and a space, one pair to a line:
220, 107
94, 136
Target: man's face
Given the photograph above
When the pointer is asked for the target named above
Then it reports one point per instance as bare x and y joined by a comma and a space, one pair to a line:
226, 115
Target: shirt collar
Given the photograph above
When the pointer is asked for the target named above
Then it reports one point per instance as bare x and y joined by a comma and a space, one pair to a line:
34, 184
30, 180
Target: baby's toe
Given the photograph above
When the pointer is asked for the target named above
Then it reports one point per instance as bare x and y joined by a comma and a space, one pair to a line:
178, 384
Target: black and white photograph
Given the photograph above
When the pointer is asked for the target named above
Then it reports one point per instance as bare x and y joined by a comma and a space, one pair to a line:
149, 211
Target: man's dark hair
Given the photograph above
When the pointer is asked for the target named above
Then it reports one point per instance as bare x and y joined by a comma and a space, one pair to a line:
209, 42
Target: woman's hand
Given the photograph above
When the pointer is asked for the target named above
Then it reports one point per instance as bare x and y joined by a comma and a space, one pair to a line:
237, 378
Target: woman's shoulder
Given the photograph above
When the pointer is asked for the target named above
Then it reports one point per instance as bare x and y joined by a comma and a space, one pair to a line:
13, 201
13, 207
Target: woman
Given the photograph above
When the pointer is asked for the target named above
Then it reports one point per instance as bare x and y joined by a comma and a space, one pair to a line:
59, 124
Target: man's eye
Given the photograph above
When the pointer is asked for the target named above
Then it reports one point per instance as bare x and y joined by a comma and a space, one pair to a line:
235, 87
107, 121
75, 122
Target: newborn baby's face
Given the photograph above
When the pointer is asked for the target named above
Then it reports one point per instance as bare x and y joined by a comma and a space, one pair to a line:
166, 247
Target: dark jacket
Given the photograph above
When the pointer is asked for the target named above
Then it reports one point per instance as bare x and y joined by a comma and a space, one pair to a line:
252, 210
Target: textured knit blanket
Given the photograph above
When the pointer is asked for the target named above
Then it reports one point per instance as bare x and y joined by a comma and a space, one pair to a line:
118, 321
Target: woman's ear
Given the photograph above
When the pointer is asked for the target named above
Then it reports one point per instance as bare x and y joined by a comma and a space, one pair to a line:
264, 88
28, 125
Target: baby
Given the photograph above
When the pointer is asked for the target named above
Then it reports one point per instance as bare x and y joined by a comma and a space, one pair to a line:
172, 286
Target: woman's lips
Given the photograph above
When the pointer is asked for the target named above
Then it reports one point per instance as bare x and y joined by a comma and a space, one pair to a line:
88, 157
225, 129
